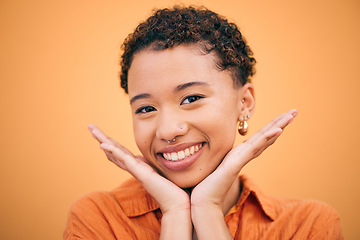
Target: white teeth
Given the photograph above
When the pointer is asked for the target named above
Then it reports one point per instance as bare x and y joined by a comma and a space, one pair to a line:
181, 155
175, 156
187, 152
192, 150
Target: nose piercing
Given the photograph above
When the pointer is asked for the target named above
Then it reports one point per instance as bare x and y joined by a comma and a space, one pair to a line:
169, 141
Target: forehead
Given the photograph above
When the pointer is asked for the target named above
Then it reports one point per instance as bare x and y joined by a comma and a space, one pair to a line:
176, 65
176, 57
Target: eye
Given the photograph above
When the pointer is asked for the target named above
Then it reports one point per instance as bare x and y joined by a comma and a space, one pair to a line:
191, 99
145, 109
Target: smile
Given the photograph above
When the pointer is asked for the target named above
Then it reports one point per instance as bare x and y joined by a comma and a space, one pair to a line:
180, 155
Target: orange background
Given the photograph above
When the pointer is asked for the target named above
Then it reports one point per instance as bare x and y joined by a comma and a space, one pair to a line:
59, 67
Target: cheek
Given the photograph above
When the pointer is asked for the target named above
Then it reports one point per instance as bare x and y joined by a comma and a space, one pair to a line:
220, 126
219, 119
142, 135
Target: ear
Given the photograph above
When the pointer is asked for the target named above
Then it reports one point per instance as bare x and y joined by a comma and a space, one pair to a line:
246, 100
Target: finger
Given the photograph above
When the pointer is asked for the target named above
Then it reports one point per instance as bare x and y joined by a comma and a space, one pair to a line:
166, 193
118, 145
270, 141
147, 176
103, 138
291, 113
141, 158
264, 138
237, 159
131, 164
245, 152
280, 122
98, 134
112, 159
91, 127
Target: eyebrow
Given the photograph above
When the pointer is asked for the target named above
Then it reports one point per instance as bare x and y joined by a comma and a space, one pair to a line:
140, 96
177, 89
189, 84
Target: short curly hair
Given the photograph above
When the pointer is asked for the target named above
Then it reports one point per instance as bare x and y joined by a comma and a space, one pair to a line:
168, 28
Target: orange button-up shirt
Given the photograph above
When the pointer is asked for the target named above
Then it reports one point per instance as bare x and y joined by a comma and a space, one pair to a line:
129, 212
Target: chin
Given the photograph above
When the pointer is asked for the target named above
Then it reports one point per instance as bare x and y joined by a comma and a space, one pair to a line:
187, 183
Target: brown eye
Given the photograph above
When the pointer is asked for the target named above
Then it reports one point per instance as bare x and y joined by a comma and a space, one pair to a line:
191, 99
145, 109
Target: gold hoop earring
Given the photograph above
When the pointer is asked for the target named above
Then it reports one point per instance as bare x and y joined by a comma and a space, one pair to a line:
243, 127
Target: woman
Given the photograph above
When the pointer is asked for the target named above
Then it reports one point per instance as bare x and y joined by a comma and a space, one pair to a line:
187, 72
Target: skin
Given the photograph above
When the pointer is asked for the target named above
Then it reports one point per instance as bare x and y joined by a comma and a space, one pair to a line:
168, 113
178, 93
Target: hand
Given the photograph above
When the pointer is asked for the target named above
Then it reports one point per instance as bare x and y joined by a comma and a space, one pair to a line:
209, 195
172, 200
166, 194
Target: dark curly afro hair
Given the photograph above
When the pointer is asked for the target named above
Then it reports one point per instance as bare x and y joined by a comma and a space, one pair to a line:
168, 28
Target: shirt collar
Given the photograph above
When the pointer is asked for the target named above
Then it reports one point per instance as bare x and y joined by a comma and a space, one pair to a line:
133, 199
249, 188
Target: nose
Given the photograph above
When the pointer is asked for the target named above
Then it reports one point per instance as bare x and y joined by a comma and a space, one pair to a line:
170, 125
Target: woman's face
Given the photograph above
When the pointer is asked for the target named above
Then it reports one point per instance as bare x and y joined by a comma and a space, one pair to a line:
178, 94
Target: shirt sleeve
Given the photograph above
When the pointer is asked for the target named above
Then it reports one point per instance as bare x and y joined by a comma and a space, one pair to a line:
101, 215
91, 217
329, 226
87, 221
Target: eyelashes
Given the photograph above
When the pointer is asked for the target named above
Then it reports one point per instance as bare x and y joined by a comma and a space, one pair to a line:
187, 100
145, 109
191, 99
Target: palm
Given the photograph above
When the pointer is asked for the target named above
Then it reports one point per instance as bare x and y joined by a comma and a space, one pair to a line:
213, 189
166, 194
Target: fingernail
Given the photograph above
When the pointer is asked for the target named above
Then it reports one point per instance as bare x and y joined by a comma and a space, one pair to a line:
104, 145
90, 127
292, 119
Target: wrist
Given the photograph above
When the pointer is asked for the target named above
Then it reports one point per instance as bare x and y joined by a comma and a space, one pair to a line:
176, 224
209, 222
206, 211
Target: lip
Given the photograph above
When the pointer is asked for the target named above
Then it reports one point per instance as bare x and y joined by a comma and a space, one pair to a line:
179, 164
